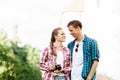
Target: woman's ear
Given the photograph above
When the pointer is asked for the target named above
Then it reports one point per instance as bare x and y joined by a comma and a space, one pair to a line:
55, 37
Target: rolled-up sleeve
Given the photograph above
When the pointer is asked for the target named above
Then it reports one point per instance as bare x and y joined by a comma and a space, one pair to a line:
43, 61
95, 51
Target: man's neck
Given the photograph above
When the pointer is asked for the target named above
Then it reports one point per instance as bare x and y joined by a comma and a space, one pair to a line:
80, 37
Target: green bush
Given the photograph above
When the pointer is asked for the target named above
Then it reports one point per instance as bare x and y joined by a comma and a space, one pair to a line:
18, 62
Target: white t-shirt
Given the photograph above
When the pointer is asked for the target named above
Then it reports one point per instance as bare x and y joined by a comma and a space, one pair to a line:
59, 59
77, 62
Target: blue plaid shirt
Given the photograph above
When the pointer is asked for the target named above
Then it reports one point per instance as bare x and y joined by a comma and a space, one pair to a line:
90, 53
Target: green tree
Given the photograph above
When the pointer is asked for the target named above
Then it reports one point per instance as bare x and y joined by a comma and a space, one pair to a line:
18, 62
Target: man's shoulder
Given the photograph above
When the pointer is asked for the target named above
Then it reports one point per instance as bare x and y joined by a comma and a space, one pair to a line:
71, 42
89, 39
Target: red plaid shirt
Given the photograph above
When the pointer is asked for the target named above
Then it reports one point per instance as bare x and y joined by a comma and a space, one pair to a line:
47, 59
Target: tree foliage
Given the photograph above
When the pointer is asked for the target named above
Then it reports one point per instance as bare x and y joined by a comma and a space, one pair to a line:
18, 62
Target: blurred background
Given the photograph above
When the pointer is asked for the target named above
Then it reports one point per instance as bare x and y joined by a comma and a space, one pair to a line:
26, 25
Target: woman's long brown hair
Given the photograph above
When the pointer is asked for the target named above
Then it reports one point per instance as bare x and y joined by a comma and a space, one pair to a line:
54, 33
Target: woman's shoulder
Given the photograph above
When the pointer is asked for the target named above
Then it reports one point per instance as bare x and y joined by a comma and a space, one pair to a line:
66, 49
47, 48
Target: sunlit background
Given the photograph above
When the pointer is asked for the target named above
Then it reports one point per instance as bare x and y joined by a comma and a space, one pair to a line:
31, 21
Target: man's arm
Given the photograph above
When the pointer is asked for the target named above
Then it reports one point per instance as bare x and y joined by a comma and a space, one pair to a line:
93, 69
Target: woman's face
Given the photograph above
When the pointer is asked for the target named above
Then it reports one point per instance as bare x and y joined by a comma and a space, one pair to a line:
60, 36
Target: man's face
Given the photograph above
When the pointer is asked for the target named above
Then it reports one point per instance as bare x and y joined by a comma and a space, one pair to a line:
74, 31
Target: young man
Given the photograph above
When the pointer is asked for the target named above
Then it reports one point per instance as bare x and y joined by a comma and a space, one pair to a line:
84, 53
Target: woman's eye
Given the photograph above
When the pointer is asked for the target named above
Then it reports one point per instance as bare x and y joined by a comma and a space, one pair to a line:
63, 34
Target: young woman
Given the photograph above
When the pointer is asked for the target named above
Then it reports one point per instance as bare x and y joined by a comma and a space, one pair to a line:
56, 60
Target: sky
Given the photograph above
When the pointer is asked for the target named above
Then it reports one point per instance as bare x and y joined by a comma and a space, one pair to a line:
37, 18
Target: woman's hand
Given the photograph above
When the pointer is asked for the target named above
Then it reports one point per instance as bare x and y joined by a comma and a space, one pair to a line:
52, 67
58, 71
